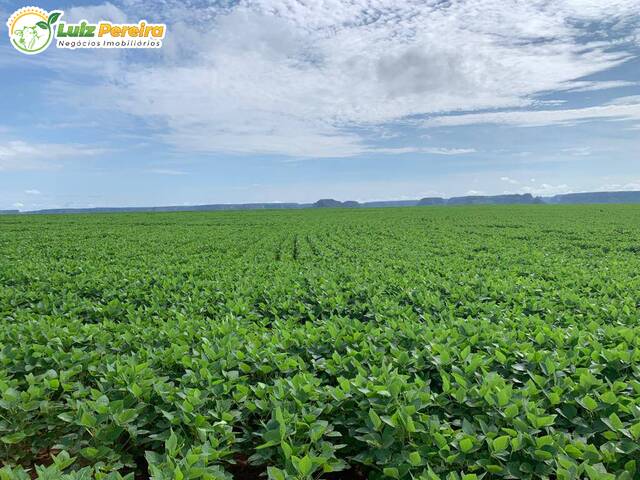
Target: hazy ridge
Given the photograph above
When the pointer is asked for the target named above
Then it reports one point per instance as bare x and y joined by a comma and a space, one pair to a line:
508, 199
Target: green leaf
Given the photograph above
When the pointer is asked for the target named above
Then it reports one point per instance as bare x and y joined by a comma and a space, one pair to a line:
317, 430
440, 440
88, 420
546, 421
415, 459
177, 473
375, 419
503, 395
409, 425
391, 472
275, 473
43, 25
66, 417
90, 453
429, 474
53, 18
63, 460
589, 403
13, 438
609, 397
286, 449
614, 422
630, 466
501, 443
171, 444
598, 472
389, 421
511, 410
304, 466
126, 416
573, 451
466, 445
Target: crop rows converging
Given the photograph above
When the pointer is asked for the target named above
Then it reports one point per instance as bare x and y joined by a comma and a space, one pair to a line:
417, 343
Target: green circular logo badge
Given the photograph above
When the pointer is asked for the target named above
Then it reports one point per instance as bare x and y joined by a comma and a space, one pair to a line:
31, 29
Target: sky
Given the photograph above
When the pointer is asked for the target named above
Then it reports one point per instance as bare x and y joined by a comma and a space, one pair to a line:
296, 100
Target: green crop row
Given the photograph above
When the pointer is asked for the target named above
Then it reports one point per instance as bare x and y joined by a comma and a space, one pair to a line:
417, 343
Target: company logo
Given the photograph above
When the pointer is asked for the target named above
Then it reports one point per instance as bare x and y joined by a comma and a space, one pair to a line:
32, 30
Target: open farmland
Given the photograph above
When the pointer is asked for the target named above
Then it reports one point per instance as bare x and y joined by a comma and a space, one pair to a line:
417, 343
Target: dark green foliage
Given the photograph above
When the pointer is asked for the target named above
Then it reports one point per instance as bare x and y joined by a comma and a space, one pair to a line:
422, 343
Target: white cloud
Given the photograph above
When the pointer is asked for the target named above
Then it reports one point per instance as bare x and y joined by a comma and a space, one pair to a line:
627, 108
577, 151
512, 181
602, 85
630, 100
20, 155
449, 151
33, 192
428, 150
629, 186
313, 79
167, 171
95, 13
546, 189
18, 205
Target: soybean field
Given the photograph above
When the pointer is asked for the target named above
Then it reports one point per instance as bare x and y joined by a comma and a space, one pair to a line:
453, 343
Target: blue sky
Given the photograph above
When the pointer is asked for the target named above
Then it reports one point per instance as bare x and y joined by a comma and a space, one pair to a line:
285, 100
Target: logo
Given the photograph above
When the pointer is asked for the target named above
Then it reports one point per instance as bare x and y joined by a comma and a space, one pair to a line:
32, 30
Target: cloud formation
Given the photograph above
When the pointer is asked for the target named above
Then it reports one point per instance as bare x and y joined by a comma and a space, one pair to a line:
627, 108
167, 171
314, 79
19, 155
